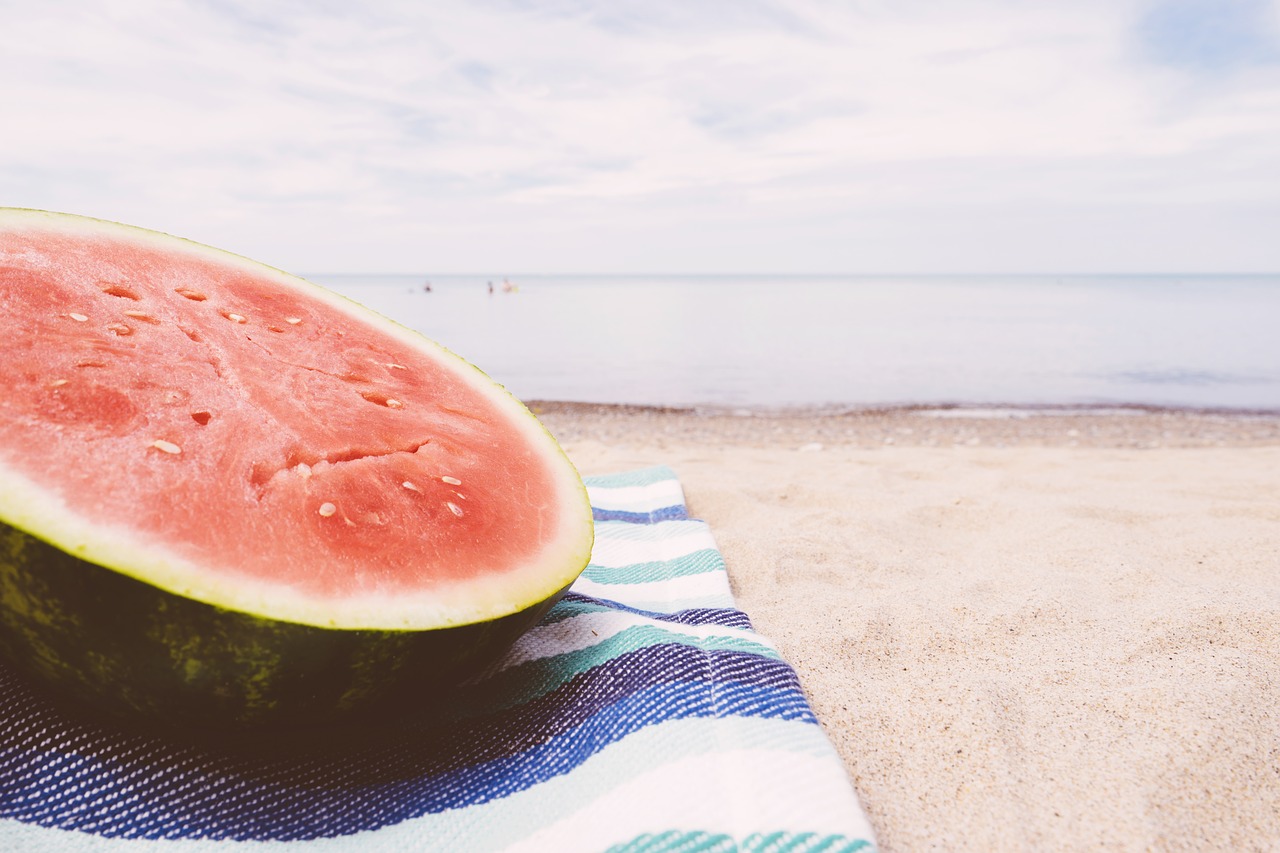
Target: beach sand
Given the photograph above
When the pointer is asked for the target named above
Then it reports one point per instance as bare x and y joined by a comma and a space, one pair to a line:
1057, 631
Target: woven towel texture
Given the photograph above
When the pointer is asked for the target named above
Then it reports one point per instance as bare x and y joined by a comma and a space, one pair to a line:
642, 714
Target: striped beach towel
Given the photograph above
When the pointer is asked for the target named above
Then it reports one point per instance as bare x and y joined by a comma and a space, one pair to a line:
642, 714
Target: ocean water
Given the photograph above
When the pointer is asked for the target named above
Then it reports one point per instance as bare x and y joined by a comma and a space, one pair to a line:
765, 341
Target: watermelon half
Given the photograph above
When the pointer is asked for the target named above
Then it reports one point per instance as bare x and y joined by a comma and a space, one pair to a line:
231, 497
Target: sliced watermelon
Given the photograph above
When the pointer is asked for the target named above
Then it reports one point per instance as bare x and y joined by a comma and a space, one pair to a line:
228, 493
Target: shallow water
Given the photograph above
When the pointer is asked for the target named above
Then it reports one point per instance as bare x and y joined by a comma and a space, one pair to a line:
1199, 341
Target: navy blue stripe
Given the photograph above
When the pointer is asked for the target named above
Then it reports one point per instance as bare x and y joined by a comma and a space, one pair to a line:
574, 603
666, 513
121, 785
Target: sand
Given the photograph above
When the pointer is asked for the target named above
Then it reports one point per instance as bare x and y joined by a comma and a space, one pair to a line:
1058, 631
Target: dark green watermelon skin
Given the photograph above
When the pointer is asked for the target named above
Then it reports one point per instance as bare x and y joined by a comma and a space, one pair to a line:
122, 647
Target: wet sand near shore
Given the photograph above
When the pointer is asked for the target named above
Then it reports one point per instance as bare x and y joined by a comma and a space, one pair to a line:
923, 426
1021, 629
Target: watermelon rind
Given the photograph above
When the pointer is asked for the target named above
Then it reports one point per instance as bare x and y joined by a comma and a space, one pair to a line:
101, 613
110, 642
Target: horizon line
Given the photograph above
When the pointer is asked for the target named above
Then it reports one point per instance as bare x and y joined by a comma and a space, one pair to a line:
602, 274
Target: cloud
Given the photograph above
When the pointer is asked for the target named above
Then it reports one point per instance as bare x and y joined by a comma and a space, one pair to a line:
627, 135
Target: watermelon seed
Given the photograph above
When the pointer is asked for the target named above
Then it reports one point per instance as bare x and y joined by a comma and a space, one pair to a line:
121, 291
57, 383
120, 329
143, 316
274, 329
395, 366
79, 318
376, 396
201, 418
452, 481
327, 509
166, 446
193, 295
232, 316
293, 321
454, 508
410, 486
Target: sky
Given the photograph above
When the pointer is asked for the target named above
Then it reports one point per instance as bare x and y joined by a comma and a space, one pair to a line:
659, 136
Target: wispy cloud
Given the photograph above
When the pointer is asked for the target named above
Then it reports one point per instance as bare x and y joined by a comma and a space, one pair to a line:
952, 134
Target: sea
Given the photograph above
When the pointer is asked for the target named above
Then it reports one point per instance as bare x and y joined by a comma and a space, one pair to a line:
848, 342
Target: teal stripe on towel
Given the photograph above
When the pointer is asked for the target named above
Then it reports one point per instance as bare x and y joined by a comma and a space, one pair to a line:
697, 563
524, 682
642, 477
676, 841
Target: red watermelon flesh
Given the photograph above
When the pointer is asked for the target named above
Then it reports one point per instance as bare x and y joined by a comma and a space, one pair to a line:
234, 435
